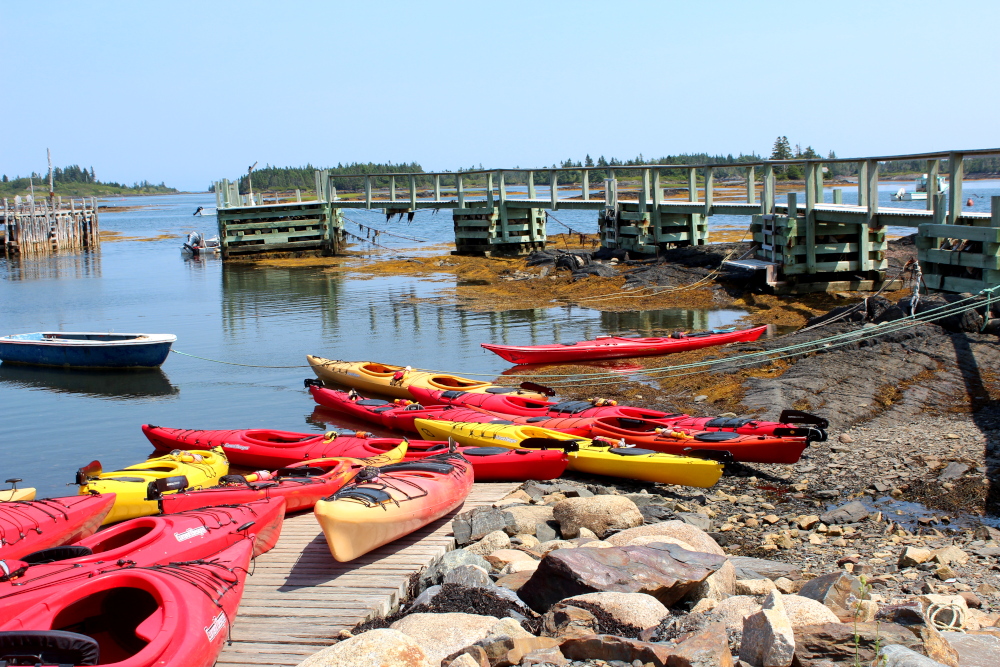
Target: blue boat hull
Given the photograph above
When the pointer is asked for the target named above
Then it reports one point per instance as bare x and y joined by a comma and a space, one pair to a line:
147, 355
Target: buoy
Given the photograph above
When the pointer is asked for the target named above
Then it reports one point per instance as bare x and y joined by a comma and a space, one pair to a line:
969, 202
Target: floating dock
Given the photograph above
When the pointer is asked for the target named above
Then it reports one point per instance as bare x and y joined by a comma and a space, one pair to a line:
299, 598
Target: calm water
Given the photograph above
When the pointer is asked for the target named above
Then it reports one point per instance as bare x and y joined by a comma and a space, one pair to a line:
54, 421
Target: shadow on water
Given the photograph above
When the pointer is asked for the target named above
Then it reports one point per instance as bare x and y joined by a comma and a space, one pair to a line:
983, 410
114, 385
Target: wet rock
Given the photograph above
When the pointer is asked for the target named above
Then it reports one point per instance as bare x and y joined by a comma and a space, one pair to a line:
666, 574
524, 518
609, 647
440, 635
768, 639
375, 648
635, 609
435, 573
757, 568
851, 512
599, 514
490, 542
820, 645
975, 650
697, 538
895, 655
836, 590
472, 576
475, 524
566, 621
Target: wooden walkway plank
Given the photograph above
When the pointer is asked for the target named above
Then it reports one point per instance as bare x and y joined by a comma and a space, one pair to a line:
299, 598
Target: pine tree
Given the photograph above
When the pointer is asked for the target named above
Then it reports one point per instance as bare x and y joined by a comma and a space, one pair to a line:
588, 162
5, 178
782, 150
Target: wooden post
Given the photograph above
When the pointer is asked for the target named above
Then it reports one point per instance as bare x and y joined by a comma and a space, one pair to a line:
504, 221
554, 188
502, 187
810, 191
644, 191
413, 192
862, 184
459, 190
871, 168
709, 182
751, 186
692, 184
368, 192
819, 183
838, 196
938, 212
531, 185
585, 184
298, 196
489, 190
956, 172
767, 196
933, 169
392, 188
437, 187
657, 190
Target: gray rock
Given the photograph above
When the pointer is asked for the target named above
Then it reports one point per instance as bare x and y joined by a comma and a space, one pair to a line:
974, 650
426, 597
478, 522
547, 531
697, 520
435, 573
656, 513
953, 470
600, 514
472, 576
827, 494
835, 590
757, 568
895, 655
851, 512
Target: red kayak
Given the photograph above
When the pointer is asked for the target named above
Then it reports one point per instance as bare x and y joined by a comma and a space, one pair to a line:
746, 448
143, 542
489, 464
29, 525
616, 347
175, 614
399, 414
792, 423
258, 448
301, 485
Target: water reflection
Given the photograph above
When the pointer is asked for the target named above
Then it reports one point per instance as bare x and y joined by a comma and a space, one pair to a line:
84, 264
120, 385
252, 294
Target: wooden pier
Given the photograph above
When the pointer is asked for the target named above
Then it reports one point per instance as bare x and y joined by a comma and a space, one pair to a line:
41, 227
299, 598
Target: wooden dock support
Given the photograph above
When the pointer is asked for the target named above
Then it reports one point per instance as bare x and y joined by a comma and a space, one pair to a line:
34, 228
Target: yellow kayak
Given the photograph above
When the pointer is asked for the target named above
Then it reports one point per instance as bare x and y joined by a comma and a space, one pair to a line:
597, 457
199, 468
389, 380
17, 494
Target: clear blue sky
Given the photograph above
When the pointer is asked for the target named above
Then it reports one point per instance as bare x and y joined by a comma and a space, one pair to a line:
188, 92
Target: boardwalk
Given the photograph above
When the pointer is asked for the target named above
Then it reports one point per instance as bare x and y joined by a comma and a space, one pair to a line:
299, 598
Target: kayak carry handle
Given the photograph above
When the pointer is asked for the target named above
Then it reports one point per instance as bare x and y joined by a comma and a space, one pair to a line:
312, 382
247, 526
799, 417
92, 469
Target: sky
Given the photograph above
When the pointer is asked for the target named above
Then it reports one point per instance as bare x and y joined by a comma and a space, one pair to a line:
190, 92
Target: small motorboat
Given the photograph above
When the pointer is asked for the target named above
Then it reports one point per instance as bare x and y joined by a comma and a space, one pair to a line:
920, 190
86, 349
615, 347
205, 210
197, 245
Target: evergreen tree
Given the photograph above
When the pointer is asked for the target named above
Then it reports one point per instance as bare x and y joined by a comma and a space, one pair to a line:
587, 162
782, 150
5, 178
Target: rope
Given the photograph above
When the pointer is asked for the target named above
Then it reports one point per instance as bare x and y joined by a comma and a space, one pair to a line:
382, 231
572, 231
233, 363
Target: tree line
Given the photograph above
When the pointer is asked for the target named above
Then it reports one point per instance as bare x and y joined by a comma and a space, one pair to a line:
76, 180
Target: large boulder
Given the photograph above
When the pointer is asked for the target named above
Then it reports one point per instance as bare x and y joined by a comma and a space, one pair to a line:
471, 576
524, 518
839, 643
801, 611
599, 514
637, 610
434, 574
441, 635
697, 538
475, 524
609, 647
665, 571
375, 648
837, 590
768, 639
719, 586
565, 621
490, 542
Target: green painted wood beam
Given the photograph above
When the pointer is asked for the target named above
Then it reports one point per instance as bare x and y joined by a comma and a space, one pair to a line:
933, 169
554, 188
585, 180
751, 186
692, 184
956, 172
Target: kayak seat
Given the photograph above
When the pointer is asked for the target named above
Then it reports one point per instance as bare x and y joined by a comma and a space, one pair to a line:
365, 495
419, 466
54, 554
571, 407
501, 390
717, 436
628, 422
727, 422
630, 451
452, 393
123, 610
535, 420
48, 647
485, 451
370, 402
500, 421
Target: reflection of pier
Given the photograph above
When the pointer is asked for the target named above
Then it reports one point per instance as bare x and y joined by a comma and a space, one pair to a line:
84, 264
